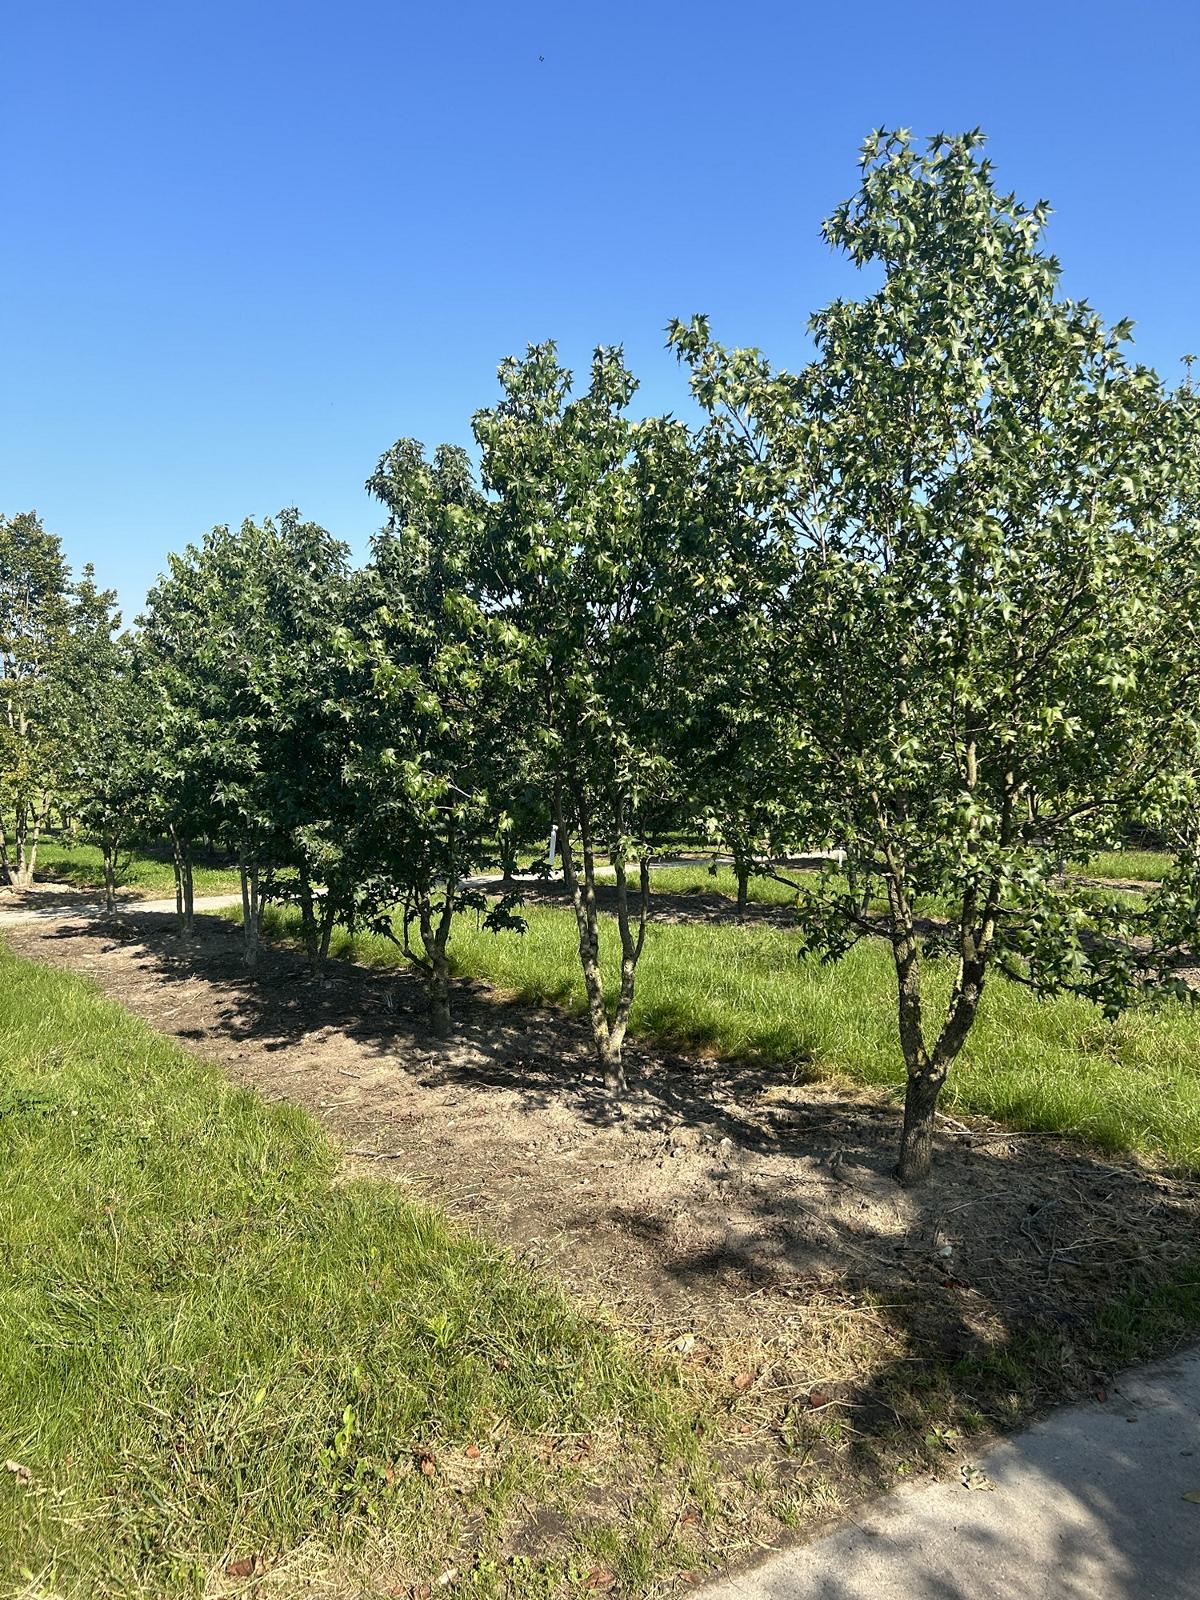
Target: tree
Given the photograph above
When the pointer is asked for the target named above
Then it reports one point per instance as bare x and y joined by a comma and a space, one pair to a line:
240, 635
431, 738
989, 626
34, 622
583, 587
105, 769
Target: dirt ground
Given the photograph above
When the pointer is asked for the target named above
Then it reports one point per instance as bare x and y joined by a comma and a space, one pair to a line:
722, 1199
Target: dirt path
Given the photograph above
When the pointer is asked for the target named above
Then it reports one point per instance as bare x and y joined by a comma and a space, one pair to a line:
721, 1182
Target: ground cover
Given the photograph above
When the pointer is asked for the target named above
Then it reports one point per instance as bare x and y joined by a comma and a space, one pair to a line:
219, 1360
835, 1332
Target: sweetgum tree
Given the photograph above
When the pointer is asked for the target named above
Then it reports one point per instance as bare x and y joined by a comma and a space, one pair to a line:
988, 629
432, 750
582, 587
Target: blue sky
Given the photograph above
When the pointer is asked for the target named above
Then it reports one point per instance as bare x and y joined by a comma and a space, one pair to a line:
247, 246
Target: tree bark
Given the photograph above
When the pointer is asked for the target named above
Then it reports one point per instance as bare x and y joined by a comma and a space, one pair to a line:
110, 876
310, 932
916, 1140
743, 888
439, 996
181, 856
251, 909
583, 899
436, 939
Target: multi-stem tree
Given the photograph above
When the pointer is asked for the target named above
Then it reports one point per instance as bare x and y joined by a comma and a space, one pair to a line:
989, 628
107, 706
431, 741
584, 585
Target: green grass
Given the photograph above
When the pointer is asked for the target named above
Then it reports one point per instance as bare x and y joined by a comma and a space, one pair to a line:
150, 875
215, 1350
741, 992
1151, 866
699, 879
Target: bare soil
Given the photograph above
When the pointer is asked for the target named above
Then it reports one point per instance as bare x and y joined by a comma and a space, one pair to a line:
750, 1221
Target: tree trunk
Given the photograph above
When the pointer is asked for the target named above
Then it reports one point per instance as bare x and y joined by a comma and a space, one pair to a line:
110, 876
916, 1141
631, 954
439, 994
309, 929
251, 912
181, 857
743, 889
26, 833
583, 899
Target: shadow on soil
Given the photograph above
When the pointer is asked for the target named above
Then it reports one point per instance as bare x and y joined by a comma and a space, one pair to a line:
844, 1325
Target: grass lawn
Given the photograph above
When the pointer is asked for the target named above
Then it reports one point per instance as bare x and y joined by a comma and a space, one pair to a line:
1052, 1065
148, 875
1151, 866
217, 1358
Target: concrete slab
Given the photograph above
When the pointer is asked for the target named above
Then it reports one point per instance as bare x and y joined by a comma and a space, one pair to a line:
1087, 1505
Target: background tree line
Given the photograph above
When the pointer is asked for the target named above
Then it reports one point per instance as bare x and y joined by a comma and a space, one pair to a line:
931, 603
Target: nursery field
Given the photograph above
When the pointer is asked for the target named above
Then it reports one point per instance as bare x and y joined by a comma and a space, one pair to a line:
711, 987
303, 1295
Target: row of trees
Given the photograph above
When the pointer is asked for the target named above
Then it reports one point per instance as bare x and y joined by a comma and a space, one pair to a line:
932, 601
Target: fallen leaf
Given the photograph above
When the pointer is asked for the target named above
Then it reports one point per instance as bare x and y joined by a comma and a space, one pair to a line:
473, 1452
685, 1344
425, 1463
447, 1577
22, 1474
976, 1478
243, 1567
816, 1398
1194, 1496
600, 1578
741, 1381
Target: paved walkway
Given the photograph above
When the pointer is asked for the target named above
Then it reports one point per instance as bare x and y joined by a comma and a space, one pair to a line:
60, 908
1087, 1505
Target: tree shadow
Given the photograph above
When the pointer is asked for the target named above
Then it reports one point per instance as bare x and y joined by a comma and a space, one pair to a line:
751, 1208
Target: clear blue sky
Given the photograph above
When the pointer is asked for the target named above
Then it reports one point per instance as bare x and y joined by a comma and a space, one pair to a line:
247, 246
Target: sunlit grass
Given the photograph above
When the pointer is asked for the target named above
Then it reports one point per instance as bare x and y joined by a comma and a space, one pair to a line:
146, 874
1151, 866
212, 1351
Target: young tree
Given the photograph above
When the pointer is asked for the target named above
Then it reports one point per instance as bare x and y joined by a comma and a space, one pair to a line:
240, 636
584, 586
35, 614
431, 740
106, 706
988, 632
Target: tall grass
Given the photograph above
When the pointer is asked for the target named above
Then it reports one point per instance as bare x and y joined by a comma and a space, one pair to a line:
742, 992
210, 1351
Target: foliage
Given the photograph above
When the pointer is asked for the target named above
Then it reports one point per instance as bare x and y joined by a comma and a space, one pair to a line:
46, 625
241, 639
989, 675
583, 591
432, 744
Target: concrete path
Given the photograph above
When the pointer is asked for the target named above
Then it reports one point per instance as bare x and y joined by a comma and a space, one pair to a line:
62, 908
1087, 1505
